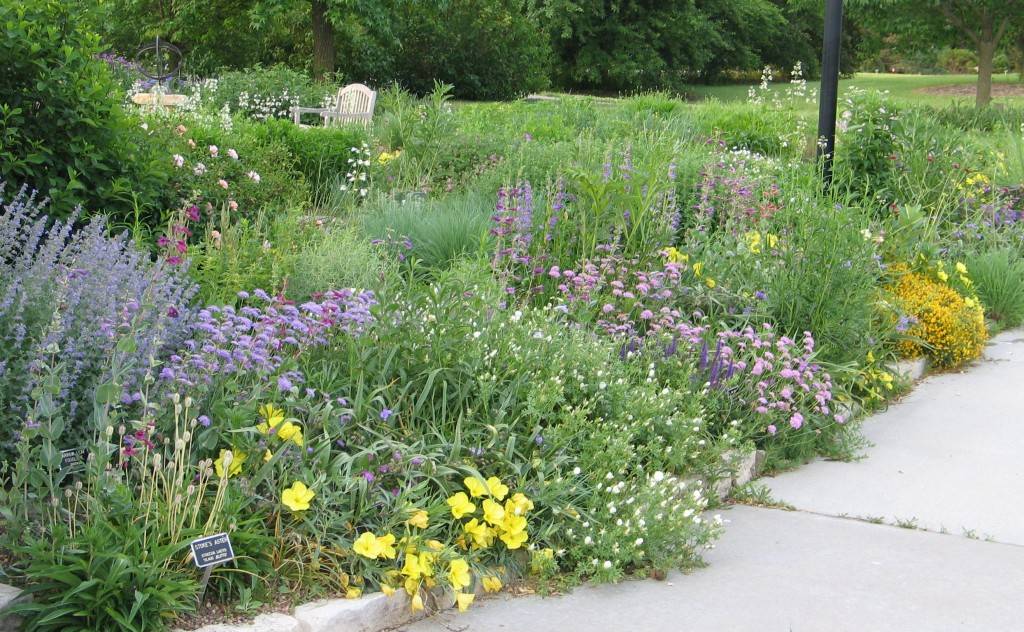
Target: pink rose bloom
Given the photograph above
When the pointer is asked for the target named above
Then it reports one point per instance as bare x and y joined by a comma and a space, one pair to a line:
181, 129
233, 205
191, 143
214, 151
233, 154
222, 183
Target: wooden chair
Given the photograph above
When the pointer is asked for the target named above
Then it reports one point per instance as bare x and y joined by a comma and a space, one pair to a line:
353, 103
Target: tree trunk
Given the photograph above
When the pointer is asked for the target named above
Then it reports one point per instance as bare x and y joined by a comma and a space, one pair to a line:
986, 51
323, 40
1019, 57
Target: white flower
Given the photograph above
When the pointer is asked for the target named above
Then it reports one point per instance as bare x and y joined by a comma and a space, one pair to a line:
200, 169
179, 160
607, 564
576, 471
214, 151
639, 541
588, 540
233, 154
255, 177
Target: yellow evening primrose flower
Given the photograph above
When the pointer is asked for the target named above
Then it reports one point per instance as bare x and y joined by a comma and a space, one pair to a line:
387, 590
267, 455
297, 496
290, 432
271, 416
458, 574
464, 600
411, 568
460, 505
417, 602
367, 545
479, 533
234, 461
435, 545
387, 546
521, 504
419, 519
497, 489
353, 593
514, 540
494, 513
475, 487
698, 268
710, 282
492, 583
753, 239
427, 564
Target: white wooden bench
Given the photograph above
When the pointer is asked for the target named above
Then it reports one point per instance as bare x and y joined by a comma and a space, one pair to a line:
353, 104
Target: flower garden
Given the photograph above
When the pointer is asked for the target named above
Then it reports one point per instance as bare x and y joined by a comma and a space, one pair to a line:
466, 347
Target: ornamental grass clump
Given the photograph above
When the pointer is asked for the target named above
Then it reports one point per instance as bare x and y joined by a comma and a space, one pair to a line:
947, 326
73, 291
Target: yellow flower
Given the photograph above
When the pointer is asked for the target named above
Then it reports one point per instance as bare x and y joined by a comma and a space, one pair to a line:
961, 268
353, 593
771, 240
234, 461
420, 519
417, 602
493, 512
427, 564
753, 239
271, 416
492, 583
290, 432
460, 505
464, 600
458, 573
435, 545
520, 504
387, 546
367, 545
943, 276
475, 487
514, 540
698, 268
267, 456
411, 568
479, 533
674, 256
297, 496
497, 489
710, 282
387, 590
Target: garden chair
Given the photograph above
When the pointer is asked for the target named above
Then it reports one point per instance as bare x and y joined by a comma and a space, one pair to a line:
353, 103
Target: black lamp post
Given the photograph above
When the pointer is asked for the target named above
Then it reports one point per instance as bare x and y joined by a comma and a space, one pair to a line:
829, 97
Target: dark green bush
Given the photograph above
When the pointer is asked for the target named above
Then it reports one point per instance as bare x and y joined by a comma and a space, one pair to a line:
62, 128
488, 49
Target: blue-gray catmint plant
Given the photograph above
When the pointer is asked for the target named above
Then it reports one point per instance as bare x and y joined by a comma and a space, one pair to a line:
68, 288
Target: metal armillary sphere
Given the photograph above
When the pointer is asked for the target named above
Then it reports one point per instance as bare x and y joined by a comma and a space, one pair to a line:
159, 61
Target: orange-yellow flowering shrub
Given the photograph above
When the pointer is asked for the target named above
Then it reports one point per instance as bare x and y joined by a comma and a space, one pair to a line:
950, 326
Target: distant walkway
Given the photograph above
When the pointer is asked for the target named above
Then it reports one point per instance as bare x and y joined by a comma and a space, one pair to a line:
946, 466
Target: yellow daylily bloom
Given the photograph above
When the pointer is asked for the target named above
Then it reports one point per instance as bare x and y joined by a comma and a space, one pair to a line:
479, 533
234, 461
464, 600
458, 574
297, 496
494, 513
491, 583
475, 487
460, 505
496, 488
520, 503
420, 519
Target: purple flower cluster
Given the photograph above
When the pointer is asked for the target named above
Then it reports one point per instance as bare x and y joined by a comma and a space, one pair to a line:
513, 223
258, 340
730, 190
70, 295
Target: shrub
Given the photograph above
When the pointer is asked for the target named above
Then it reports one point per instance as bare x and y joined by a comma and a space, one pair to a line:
338, 257
263, 93
999, 280
943, 324
62, 130
867, 145
69, 294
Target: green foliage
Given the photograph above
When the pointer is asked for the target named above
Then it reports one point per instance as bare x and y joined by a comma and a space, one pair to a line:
998, 278
263, 93
338, 257
62, 130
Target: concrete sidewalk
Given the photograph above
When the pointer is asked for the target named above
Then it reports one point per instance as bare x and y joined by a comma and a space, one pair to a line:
946, 459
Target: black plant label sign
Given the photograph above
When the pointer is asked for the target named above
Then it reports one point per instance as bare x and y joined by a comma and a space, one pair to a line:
72, 459
212, 550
